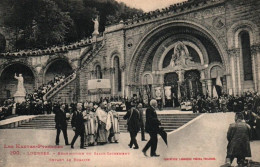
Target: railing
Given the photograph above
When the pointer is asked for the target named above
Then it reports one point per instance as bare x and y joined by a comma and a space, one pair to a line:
73, 76
59, 86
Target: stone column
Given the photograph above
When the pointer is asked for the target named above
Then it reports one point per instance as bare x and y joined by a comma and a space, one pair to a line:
130, 93
234, 53
39, 80
181, 79
127, 90
255, 53
202, 80
112, 75
204, 88
229, 82
209, 85
179, 89
123, 80
240, 72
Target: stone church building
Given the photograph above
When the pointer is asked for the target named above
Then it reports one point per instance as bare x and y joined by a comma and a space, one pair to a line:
181, 49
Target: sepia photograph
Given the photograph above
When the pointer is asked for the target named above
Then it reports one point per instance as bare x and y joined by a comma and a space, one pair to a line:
130, 83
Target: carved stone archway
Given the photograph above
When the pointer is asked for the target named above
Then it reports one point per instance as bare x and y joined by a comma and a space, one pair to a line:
156, 32
57, 60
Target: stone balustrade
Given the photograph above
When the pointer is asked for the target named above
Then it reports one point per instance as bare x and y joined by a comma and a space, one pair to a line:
52, 50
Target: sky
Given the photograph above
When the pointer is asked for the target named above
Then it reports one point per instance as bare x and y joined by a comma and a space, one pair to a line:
149, 5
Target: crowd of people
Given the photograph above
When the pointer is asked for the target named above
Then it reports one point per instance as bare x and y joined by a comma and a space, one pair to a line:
248, 104
96, 125
226, 103
34, 103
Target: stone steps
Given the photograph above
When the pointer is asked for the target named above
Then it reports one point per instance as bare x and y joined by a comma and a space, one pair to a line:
169, 122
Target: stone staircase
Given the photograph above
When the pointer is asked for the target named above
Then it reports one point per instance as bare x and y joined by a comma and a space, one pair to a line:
59, 86
88, 56
170, 122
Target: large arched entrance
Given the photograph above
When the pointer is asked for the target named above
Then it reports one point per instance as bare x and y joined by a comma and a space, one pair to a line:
156, 54
9, 83
57, 67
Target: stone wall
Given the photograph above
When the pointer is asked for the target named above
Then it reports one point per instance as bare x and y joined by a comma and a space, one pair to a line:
243, 16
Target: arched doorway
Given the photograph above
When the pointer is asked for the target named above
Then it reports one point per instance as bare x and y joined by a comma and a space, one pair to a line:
57, 68
171, 80
9, 83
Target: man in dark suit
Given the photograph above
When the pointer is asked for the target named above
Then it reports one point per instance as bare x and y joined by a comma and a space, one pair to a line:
61, 124
133, 119
77, 123
152, 127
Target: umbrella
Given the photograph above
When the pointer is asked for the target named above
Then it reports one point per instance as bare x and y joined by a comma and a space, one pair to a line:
163, 134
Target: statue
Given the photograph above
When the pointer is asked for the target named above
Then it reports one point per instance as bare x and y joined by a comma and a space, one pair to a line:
96, 26
181, 56
20, 93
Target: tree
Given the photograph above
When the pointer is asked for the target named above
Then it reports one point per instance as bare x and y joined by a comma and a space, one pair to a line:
81, 15
42, 23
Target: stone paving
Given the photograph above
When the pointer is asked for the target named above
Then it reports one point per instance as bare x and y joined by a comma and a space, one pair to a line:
201, 143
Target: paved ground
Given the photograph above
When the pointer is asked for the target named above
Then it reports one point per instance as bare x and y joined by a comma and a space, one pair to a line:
204, 139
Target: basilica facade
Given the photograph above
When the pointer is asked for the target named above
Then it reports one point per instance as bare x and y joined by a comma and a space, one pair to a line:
181, 51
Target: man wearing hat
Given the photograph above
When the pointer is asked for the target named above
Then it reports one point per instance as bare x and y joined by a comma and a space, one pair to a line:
61, 124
